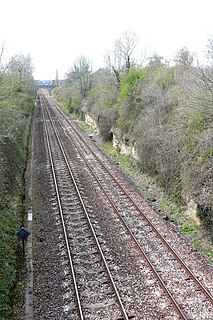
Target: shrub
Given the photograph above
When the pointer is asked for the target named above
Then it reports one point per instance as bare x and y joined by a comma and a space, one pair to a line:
15, 117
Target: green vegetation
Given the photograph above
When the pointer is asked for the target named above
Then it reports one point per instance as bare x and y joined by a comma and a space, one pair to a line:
163, 202
163, 111
85, 127
129, 82
189, 229
125, 161
17, 94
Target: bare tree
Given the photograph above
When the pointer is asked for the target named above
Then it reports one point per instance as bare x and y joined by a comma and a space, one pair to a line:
114, 62
204, 81
184, 58
1, 54
3, 68
21, 65
125, 46
210, 50
81, 72
120, 60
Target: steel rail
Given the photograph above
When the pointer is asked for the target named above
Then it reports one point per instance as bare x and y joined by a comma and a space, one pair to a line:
204, 290
62, 219
179, 259
123, 311
166, 290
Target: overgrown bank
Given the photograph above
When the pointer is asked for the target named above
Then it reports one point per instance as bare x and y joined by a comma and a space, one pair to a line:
163, 112
163, 203
17, 95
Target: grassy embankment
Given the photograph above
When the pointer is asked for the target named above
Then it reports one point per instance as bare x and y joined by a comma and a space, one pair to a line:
16, 102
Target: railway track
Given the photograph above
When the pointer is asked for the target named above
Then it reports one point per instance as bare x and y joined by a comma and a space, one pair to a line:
88, 266
184, 296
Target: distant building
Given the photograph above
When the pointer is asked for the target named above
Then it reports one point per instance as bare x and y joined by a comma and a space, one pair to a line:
45, 83
49, 84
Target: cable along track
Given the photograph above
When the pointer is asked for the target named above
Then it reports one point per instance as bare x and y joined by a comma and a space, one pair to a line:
189, 297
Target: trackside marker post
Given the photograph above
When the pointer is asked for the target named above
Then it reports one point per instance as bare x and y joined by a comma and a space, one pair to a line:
23, 234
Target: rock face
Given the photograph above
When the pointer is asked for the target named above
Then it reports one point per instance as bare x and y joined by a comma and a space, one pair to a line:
124, 146
127, 148
91, 122
191, 212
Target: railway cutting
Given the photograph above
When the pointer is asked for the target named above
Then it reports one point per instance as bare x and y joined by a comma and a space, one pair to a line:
99, 250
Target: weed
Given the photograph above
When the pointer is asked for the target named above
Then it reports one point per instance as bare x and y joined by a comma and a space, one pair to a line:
189, 229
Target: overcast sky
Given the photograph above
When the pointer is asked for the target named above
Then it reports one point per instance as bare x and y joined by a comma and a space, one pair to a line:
55, 33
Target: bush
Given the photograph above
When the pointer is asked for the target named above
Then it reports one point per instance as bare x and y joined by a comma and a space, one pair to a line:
15, 117
166, 113
130, 81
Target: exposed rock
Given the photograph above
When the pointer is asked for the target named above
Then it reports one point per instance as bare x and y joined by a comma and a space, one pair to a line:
91, 122
191, 212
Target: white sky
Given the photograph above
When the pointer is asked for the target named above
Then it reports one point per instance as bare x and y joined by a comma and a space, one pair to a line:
55, 33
